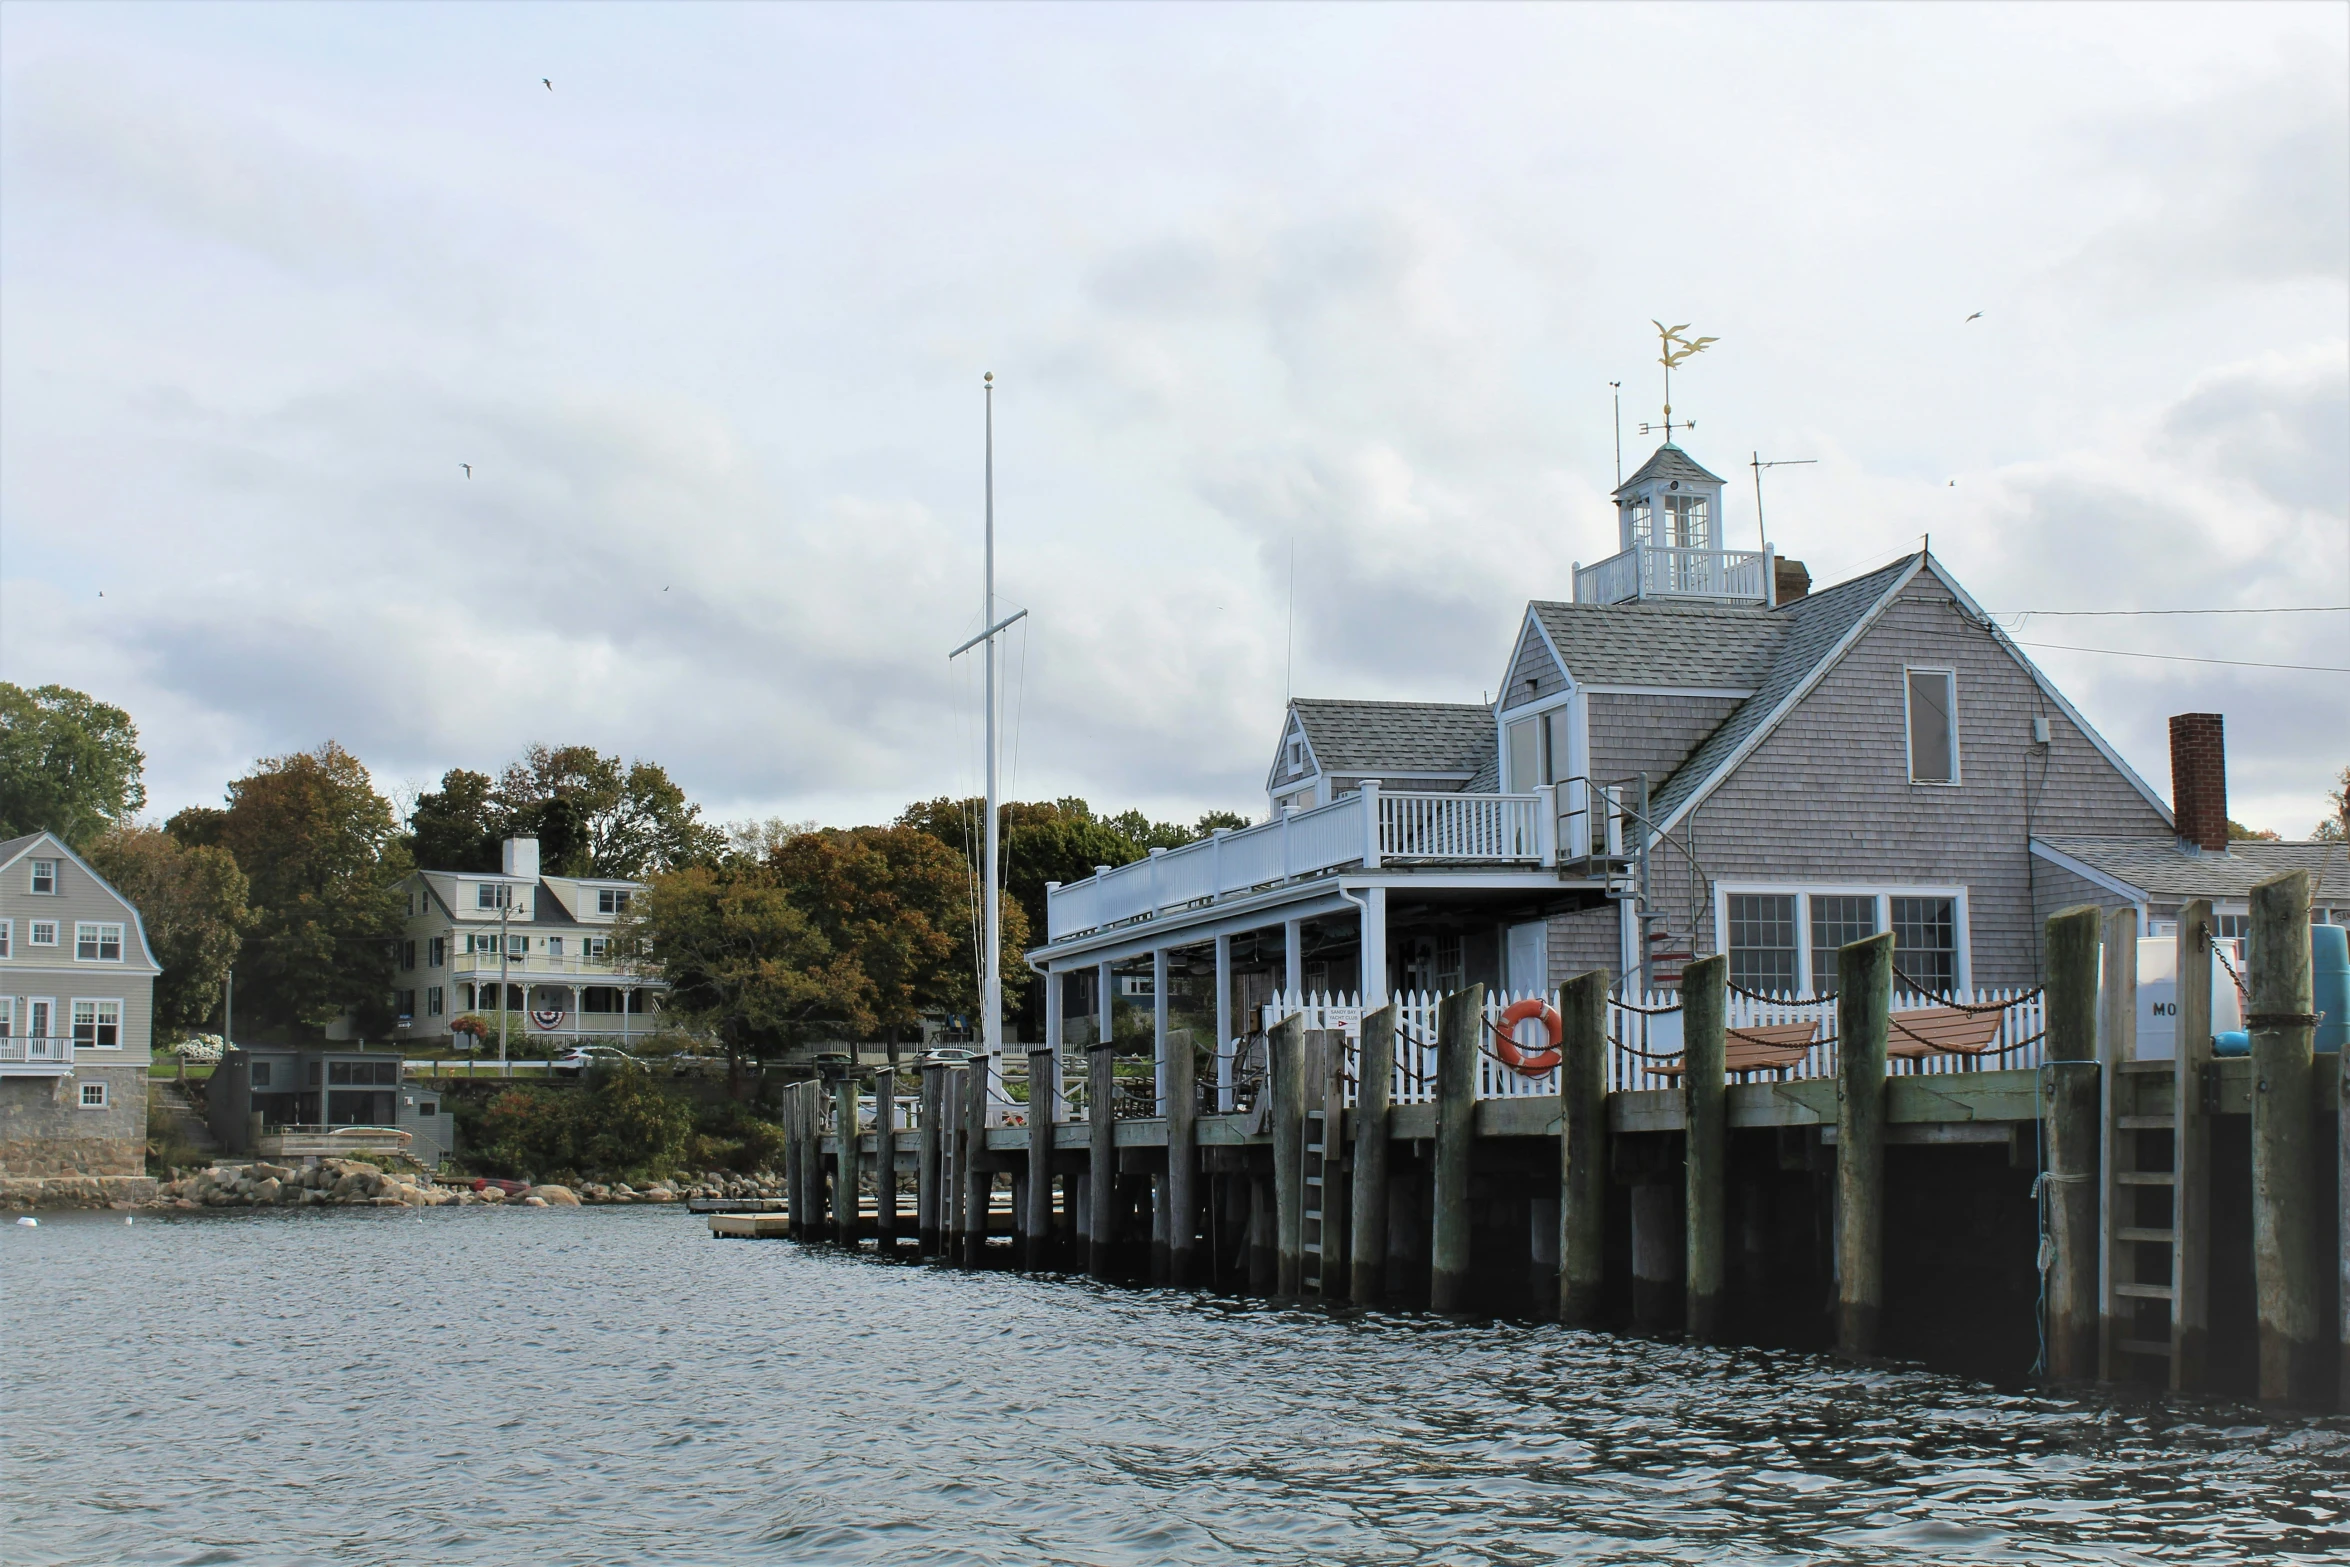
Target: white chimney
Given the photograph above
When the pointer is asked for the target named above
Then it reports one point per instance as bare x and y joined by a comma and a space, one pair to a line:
522, 857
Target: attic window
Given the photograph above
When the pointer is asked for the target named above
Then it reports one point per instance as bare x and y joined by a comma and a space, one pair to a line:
1933, 726
1297, 753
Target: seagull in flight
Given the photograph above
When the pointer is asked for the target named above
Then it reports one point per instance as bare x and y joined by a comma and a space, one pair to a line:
1977, 316
468, 467
547, 83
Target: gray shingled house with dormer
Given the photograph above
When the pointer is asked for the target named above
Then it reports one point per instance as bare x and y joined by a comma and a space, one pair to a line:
1694, 753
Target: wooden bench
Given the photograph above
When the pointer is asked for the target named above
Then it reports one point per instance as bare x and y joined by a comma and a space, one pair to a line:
1940, 1031
1759, 1047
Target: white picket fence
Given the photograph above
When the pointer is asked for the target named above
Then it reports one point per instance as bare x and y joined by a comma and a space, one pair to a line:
1650, 1037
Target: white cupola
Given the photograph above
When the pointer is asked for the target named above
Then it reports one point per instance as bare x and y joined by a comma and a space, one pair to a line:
1670, 503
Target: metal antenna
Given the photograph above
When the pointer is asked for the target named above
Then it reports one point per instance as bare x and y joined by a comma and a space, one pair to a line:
1759, 466
1618, 388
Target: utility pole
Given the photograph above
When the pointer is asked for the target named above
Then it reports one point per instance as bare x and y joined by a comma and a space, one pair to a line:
505, 907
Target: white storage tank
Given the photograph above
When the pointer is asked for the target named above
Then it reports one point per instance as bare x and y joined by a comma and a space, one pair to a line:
2158, 995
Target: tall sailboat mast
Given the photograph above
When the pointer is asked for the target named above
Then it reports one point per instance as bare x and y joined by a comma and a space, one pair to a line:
991, 999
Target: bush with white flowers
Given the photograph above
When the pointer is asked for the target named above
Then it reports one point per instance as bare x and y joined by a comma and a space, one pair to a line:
203, 1049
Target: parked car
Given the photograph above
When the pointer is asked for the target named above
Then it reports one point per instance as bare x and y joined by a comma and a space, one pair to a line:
580, 1057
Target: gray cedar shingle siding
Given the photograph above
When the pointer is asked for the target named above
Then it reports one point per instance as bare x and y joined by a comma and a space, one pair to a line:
2054, 888
1585, 940
1827, 798
1384, 739
1631, 735
1532, 663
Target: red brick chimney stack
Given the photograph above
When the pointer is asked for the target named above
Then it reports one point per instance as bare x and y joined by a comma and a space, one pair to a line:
2199, 779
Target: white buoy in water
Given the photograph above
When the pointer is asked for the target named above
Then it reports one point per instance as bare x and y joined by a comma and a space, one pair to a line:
29, 1222
127, 1219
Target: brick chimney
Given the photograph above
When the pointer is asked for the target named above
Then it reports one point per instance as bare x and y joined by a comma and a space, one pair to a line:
2199, 780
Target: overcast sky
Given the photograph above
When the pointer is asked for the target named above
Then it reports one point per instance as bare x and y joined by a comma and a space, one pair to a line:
1344, 286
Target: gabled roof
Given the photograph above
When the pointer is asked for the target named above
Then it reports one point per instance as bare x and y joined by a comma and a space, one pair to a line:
16, 848
2159, 867
1809, 634
1668, 462
1419, 738
1662, 642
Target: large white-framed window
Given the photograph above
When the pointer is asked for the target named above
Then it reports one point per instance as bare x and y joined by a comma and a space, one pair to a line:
518, 946
93, 1096
1782, 938
44, 878
97, 1023
96, 941
41, 933
1539, 747
611, 900
7, 1017
7, 938
1930, 702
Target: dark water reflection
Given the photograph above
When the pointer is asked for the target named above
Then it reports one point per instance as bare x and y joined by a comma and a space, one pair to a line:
613, 1386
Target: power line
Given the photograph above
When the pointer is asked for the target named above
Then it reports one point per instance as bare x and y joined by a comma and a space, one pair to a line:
2183, 658
2275, 609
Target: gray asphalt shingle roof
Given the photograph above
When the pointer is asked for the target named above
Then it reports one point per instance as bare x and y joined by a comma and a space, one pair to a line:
1807, 631
2160, 867
1662, 642
1668, 462
1398, 737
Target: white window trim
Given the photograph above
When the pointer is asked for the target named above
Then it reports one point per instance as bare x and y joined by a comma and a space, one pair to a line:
7, 1017
1909, 731
32, 937
94, 1002
121, 940
83, 1101
7, 938
1539, 710
1883, 892
56, 878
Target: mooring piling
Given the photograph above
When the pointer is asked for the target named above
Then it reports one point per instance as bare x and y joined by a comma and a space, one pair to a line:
926, 1161
2069, 1097
2284, 1216
1285, 1046
1864, 1004
885, 1158
1101, 1140
1182, 1184
1705, 1145
1037, 1219
1460, 1018
977, 1170
2191, 1153
1367, 1245
1583, 1170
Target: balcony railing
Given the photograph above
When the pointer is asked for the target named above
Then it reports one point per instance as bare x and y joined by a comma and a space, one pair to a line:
37, 1052
525, 966
1369, 829
1647, 571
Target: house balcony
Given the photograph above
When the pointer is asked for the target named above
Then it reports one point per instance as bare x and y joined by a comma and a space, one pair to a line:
1655, 571
34, 1055
1371, 829
537, 965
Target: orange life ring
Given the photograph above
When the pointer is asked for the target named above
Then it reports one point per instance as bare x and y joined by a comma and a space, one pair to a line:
1505, 1036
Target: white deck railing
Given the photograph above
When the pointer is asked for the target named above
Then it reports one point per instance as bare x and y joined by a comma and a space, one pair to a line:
1658, 571
36, 1050
1369, 828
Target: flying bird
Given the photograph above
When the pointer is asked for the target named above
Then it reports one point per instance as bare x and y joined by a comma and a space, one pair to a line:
1977, 316
468, 467
548, 84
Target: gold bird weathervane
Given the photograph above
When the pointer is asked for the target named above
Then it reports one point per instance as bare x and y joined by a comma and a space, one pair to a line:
1677, 349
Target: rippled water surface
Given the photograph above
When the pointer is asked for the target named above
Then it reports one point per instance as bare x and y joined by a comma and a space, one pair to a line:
613, 1386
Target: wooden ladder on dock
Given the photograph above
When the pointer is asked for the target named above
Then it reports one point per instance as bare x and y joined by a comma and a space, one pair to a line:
2153, 1215
1324, 1151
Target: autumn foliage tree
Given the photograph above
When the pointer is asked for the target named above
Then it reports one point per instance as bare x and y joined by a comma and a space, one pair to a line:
191, 901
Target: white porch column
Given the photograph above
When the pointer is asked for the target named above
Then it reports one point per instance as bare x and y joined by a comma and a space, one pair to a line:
1055, 1032
1224, 1025
1159, 1027
1370, 794
1374, 956
1293, 957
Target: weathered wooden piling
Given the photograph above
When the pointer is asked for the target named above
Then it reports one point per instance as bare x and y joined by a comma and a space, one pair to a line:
978, 1172
844, 1179
2190, 1321
926, 1156
1705, 1144
1037, 1222
1285, 1047
2069, 1099
1657, 1253
1182, 1185
2284, 1184
1583, 1147
1460, 1018
800, 1132
2117, 1042
1101, 1140
885, 1158
1367, 1245
1864, 1003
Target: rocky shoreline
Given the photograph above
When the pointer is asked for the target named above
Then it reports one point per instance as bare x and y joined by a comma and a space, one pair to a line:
353, 1183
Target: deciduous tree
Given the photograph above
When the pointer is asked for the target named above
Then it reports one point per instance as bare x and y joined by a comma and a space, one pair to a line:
68, 763
192, 903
